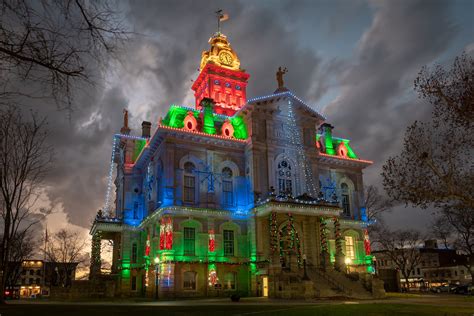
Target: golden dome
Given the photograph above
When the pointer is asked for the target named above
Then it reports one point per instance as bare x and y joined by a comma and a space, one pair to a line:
220, 53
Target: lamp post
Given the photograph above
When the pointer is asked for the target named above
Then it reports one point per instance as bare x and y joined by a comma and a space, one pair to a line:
305, 275
157, 272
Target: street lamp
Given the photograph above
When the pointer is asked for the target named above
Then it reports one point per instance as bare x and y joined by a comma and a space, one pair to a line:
157, 266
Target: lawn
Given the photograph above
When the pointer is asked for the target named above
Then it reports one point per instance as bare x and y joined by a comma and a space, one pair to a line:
374, 309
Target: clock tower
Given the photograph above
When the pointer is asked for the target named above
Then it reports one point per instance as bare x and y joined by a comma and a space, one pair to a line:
221, 78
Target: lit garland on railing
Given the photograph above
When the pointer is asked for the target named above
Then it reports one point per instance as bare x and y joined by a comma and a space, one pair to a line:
273, 232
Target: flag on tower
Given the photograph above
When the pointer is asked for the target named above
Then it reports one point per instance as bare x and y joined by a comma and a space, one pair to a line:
223, 17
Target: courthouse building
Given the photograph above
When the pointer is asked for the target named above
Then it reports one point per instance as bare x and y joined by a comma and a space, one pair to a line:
255, 196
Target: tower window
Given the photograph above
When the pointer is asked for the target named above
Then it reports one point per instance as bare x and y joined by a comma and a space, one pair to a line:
134, 253
227, 85
237, 87
216, 82
189, 183
227, 186
189, 241
346, 205
228, 242
285, 178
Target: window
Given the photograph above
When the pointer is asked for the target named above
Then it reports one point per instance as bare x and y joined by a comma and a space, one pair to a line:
189, 183
346, 206
418, 271
38, 281
228, 242
134, 253
455, 273
229, 281
31, 281
134, 283
135, 210
285, 183
32, 272
227, 187
38, 272
189, 280
350, 253
189, 241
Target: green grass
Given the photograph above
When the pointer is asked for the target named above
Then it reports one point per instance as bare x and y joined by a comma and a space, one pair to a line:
375, 309
378, 309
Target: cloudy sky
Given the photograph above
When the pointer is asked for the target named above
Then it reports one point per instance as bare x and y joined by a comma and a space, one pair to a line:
355, 61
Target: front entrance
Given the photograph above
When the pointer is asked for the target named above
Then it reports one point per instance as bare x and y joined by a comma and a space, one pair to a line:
289, 245
265, 286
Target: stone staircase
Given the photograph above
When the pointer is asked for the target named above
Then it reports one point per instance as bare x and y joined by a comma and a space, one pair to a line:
340, 282
323, 283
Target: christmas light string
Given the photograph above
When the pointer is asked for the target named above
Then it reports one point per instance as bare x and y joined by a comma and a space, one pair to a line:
297, 141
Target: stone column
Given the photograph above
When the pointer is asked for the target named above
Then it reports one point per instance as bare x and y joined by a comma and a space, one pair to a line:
339, 263
325, 260
96, 261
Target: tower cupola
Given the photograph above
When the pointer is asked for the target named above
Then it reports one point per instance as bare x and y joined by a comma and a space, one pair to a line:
221, 78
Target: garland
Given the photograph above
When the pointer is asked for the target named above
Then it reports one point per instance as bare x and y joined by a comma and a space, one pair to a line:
337, 233
323, 231
294, 238
95, 251
273, 232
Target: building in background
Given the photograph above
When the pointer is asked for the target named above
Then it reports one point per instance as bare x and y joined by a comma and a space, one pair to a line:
235, 195
35, 278
437, 267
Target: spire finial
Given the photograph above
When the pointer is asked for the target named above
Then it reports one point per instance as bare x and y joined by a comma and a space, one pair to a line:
221, 17
279, 77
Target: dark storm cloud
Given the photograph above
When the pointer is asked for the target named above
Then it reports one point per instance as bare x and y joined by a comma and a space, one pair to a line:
372, 109
181, 30
377, 101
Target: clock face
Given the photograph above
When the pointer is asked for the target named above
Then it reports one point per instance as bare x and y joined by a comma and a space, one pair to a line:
225, 58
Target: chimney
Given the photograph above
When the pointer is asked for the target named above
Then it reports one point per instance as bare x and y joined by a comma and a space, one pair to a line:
146, 127
326, 131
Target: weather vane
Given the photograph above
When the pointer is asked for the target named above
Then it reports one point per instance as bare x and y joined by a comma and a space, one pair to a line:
221, 17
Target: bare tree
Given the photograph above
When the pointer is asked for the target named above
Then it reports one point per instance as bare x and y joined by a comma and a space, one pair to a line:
65, 248
24, 160
55, 45
402, 247
435, 167
375, 202
23, 247
442, 230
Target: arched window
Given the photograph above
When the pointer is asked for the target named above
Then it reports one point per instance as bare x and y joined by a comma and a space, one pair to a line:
229, 281
189, 280
227, 187
189, 191
346, 204
285, 177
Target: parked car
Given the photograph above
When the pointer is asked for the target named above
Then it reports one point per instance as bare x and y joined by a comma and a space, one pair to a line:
441, 289
464, 289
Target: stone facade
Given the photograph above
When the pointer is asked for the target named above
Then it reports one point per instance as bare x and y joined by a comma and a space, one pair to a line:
262, 201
